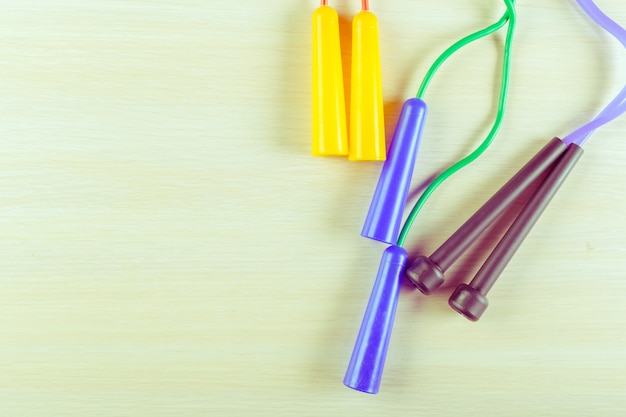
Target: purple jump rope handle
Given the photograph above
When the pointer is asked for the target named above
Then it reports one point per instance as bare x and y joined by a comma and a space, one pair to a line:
385, 213
370, 350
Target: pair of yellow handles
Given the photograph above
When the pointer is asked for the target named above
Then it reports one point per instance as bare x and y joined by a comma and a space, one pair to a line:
367, 126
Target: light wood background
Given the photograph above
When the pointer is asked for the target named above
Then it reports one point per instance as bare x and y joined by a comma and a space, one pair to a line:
170, 248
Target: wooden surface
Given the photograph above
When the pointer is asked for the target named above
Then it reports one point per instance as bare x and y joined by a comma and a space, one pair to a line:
170, 248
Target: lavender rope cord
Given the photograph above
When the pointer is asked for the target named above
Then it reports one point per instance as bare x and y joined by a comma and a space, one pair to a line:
617, 106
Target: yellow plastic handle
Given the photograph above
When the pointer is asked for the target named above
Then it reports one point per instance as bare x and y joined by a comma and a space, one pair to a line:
330, 135
367, 119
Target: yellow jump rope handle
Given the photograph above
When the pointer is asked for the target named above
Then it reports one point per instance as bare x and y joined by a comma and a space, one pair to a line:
367, 120
330, 136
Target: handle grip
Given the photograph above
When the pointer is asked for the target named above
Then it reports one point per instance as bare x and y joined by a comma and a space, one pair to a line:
385, 213
370, 350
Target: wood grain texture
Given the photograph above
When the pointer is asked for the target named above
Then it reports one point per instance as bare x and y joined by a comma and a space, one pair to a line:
170, 248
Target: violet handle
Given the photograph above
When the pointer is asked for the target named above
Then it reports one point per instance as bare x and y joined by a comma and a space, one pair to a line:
385, 213
370, 350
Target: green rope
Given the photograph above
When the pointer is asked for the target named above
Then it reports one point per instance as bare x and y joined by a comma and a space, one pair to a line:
506, 69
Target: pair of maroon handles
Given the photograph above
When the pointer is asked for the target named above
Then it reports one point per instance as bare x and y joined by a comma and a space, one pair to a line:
550, 167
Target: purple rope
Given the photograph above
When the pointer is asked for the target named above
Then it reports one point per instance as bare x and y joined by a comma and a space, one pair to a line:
617, 106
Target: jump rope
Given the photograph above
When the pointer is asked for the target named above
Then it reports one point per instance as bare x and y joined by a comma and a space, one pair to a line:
547, 171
